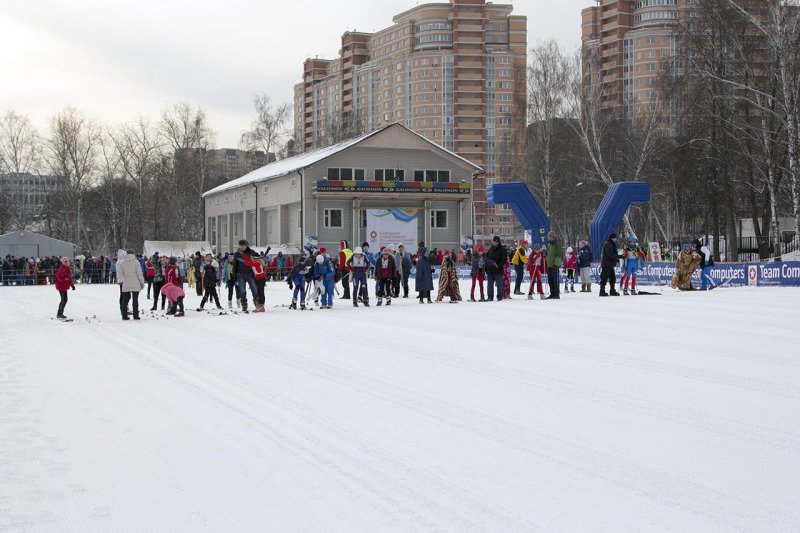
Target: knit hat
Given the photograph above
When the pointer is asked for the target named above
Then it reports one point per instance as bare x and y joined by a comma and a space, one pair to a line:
496, 239
536, 247
358, 250
244, 242
551, 236
612, 236
569, 250
343, 245
524, 243
320, 259
480, 249
322, 250
385, 250
65, 261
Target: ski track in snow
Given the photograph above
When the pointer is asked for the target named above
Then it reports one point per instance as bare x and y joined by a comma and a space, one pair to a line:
515, 416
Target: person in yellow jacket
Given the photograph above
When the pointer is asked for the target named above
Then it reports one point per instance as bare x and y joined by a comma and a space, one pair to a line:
190, 276
519, 261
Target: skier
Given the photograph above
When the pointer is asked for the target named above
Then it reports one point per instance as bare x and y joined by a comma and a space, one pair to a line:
496, 259
385, 271
324, 271
585, 266
631, 255
607, 263
570, 265
175, 296
478, 271
358, 265
209, 283
64, 282
244, 275
537, 266
297, 281
448, 280
555, 258
519, 261
707, 283
129, 272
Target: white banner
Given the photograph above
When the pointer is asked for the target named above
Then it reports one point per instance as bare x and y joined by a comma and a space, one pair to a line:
392, 226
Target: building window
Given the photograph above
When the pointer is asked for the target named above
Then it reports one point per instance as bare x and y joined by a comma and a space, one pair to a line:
332, 218
388, 174
439, 218
362, 218
442, 176
346, 174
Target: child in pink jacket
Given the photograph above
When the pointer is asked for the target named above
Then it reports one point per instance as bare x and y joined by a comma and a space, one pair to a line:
175, 297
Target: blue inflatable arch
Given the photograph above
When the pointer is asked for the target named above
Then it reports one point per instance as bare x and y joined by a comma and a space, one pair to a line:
525, 207
616, 202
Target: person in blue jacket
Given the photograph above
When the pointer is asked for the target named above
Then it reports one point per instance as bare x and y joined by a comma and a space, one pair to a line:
423, 279
323, 270
585, 266
359, 265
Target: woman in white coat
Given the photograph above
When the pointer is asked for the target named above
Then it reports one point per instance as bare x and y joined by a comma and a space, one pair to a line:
132, 282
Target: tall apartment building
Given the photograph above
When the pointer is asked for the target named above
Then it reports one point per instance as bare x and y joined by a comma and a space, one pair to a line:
25, 195
454, 72
225, 164
625, 43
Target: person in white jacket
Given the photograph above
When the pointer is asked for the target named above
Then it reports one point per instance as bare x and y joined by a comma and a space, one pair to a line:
129, 274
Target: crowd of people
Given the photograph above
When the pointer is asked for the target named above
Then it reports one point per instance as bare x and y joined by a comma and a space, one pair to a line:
315, 276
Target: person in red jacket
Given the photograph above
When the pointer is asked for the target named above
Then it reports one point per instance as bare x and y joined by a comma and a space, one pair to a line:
537, 267
150, 273
64, 282
344, 256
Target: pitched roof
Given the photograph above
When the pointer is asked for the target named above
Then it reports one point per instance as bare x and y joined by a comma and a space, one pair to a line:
306, 159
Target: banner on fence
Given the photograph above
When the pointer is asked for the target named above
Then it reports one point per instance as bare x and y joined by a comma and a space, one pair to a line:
726, 275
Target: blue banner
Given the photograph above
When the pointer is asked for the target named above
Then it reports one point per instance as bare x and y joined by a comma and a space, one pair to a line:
726, 275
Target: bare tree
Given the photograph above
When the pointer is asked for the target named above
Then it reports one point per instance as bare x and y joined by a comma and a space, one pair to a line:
270, 130
72, 153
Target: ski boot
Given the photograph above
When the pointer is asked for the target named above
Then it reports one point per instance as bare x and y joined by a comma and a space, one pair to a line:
614, 293
380, 302
483, 299
199, 309
572, 289
293, 305
518, 293
633, 292
388, 302
625, 292
366, 302
179, 313
530, 297
302, 306
355, 303
603, 293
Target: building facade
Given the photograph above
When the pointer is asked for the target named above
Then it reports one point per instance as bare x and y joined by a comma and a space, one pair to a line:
25, 196
223, 164
453, 72
327, 192
625, 44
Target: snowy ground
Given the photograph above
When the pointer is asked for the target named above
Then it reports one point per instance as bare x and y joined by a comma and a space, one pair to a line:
665, 413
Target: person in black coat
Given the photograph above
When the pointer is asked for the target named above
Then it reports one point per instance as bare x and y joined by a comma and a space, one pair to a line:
209, 283
608, 261
496, 258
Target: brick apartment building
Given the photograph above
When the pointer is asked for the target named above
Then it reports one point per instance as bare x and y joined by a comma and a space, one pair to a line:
625, 44
454, 72
224, 164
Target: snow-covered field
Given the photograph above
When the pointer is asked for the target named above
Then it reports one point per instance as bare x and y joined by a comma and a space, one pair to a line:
678, 412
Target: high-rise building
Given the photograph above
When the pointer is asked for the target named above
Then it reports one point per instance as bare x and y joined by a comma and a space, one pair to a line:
625, 44
454, 72
224, 164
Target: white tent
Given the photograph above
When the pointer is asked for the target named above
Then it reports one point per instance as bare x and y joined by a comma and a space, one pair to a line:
177, 248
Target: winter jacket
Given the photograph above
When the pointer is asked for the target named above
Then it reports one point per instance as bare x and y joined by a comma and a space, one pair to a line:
344, 256
172, 292
496, 258
64, 278
571, 261
402, 260
130, 271
172, 275
385, 268
520, 257
423, 280
585, 257
240, 267
478, 266
357, 264
555, 254
609, 258
209, 275
706, 256
537, 264
121, 255
324, 270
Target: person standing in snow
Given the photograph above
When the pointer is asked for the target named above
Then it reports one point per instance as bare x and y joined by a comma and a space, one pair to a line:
344, 269
297, 281
403, 261
555, 258
519, 261
160, 264
585, 266
570, 265
423, 279
385, 271
243, 273
130, 271
496, 259
537, 267
64, 282
707, 283
197, 264
209, 284
448, 280
478, 271
632, 255
608, 262
325, 271
358, 266
150, 273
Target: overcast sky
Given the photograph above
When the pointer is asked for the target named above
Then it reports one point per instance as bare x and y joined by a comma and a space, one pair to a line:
118, 59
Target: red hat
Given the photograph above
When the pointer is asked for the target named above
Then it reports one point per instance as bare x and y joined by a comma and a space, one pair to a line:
323, 250
480, 249
524, 243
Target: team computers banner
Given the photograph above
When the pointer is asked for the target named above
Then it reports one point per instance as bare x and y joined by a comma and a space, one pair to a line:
726, 275
392, 226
